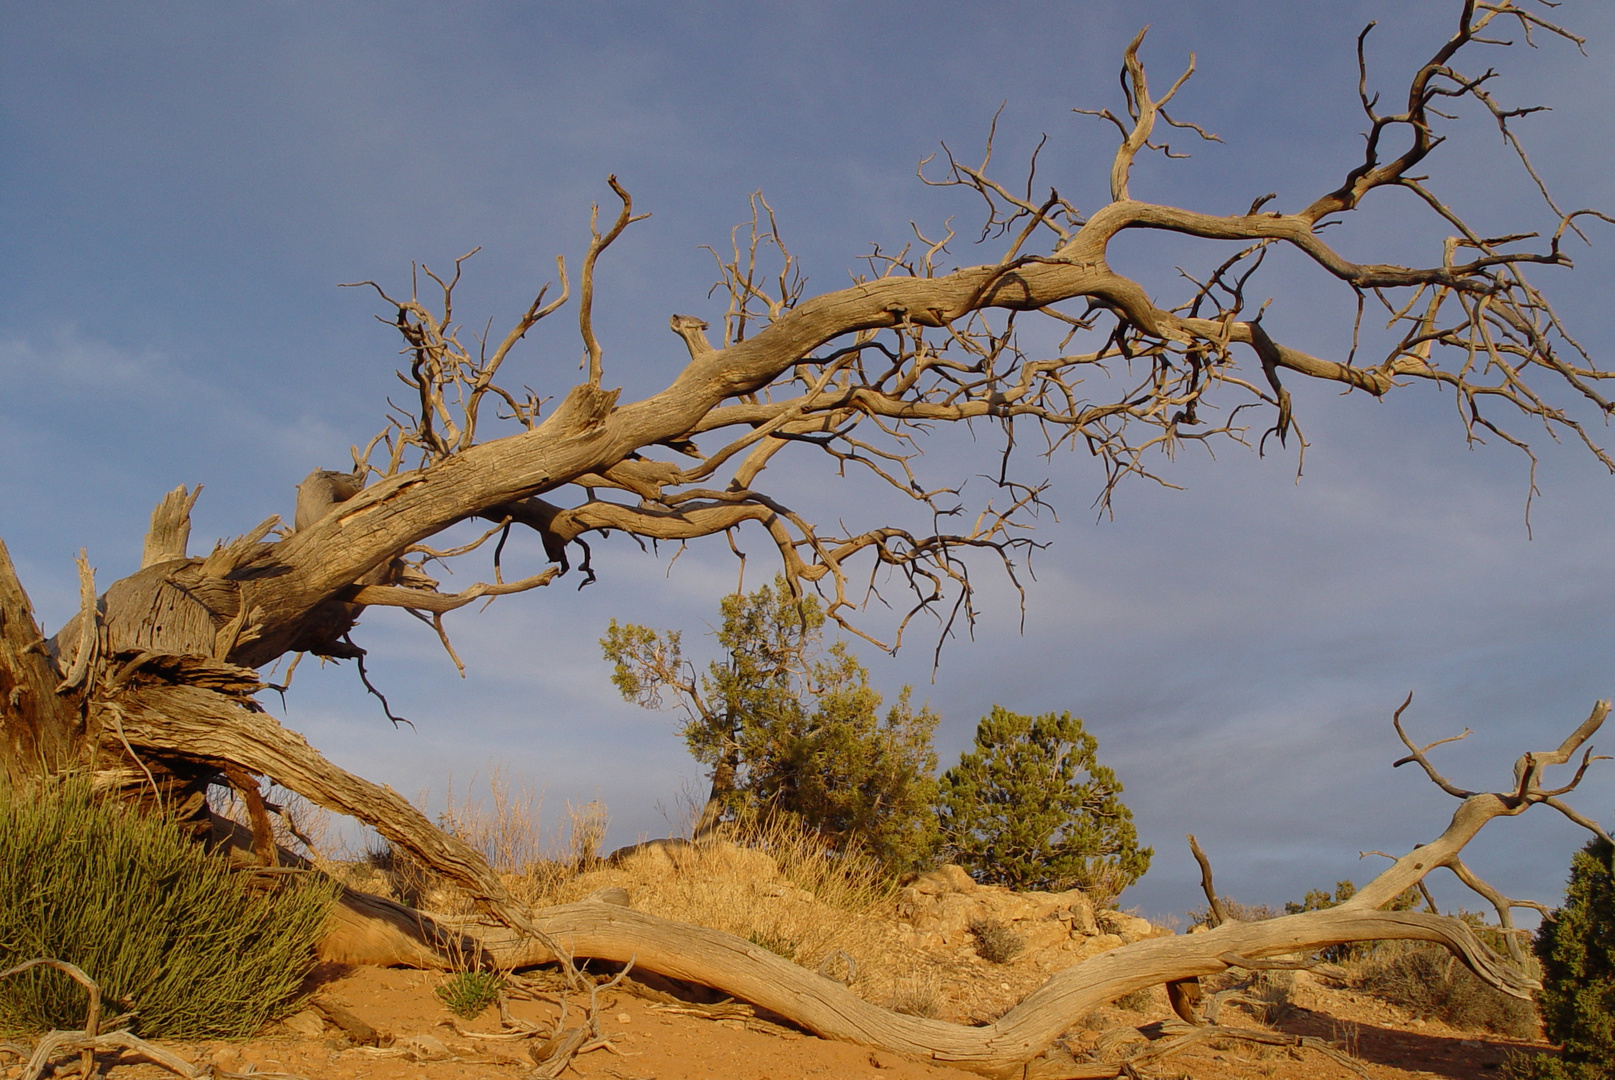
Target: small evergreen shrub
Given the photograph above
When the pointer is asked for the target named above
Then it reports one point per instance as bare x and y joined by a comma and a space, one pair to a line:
1029, 806
1524, 1066
788, 725
161, 926
1576, 945
468, 993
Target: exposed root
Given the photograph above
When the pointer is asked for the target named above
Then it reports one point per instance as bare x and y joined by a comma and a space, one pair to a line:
59, 1044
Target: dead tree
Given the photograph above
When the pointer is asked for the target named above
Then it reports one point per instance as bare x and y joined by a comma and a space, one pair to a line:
152, 685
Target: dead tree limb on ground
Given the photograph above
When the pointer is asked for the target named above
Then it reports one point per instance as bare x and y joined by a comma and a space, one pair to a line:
1024, 1037
151, 686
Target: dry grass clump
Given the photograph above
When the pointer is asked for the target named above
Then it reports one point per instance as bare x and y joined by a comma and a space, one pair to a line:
767, 879
507, 829
1141, 1000
916, 991
409, 881
1237, 910
1271, 995
1430, 982
778, 885
996, 942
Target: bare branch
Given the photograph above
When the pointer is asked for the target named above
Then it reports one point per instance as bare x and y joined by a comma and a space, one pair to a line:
440, 603
1418, 753
598, 244
1214, 905
88, 648
1475, 810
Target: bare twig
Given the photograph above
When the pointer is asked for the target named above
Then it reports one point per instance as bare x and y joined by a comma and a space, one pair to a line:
87, 1042
1217, 913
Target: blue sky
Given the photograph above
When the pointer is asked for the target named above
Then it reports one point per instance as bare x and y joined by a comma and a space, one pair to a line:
183, 186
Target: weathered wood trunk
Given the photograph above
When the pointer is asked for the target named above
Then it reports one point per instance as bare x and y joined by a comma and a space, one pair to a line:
41, 731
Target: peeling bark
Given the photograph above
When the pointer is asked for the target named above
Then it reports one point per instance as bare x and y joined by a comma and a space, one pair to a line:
41, 731
185, 720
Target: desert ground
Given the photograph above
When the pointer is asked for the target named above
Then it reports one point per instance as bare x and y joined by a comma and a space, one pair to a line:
649, 1039
940, 946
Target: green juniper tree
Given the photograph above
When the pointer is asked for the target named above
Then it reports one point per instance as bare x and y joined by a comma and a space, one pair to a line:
1031, 807
787, 725
1576, 945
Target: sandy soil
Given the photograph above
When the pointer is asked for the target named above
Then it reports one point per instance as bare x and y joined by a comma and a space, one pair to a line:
920, 953
656, 1039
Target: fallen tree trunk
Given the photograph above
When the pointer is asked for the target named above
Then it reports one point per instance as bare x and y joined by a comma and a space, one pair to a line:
1022, 1041
198, 711
183, 719
1018, 1043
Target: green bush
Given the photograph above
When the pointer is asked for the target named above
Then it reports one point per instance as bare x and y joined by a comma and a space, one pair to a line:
1524, 1066
1029, 806
1576, 945
468, 993
162, 927
788, 725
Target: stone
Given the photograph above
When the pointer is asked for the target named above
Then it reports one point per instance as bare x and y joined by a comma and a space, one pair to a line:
307, 1023
1129, 927
426, 1047
1097, 944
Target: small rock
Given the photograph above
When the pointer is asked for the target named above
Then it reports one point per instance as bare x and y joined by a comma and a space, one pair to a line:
615, 895
623, 1018
426, 1047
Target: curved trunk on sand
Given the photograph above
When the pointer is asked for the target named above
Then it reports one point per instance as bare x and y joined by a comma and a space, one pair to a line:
1017, 1044
1022, 1041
